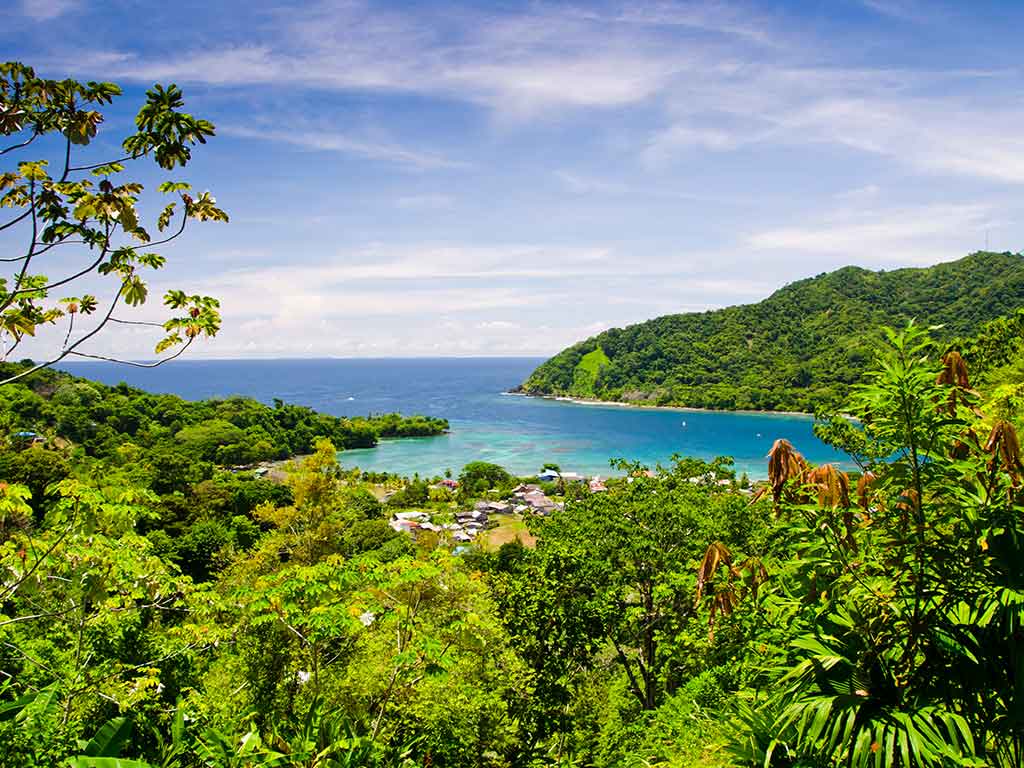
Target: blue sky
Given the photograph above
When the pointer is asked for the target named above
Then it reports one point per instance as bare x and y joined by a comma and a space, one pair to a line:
506, 178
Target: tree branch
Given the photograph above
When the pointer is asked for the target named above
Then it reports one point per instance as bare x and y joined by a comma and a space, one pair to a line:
19, 146
132, 363
109, 162
70, 349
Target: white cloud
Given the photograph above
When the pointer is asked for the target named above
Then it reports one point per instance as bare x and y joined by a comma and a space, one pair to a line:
425, 202
515, 63
859, 194
888, 112
922, 234
333, 141
45, 10
904, 10
580, 184
735, 78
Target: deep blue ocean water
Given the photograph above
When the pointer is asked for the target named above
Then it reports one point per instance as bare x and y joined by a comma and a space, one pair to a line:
517, 432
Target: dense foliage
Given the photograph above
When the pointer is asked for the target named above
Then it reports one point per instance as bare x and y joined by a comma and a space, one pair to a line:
802, 348
102, 420
829, 620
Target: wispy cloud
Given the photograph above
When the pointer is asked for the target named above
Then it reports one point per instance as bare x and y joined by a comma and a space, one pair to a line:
580, 184
333, 141
45, 10
516, 63
425, 202
904, 10
921, 234
893, 113
577, 165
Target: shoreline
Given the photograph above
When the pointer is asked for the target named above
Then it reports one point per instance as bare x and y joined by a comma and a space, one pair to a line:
677, 408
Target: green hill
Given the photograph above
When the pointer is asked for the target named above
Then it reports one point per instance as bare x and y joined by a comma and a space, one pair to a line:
801, 347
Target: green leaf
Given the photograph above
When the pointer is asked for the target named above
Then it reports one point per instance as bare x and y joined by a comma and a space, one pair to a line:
174, 186
110, 738
135, 291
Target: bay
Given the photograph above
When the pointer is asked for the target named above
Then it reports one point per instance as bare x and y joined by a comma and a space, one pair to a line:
520, 433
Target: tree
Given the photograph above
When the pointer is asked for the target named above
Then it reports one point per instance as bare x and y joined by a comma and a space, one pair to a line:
90, 208
632, 551
480, 476
906, 596
36, 468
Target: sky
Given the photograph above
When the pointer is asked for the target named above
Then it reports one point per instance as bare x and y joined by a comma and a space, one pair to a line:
507, 178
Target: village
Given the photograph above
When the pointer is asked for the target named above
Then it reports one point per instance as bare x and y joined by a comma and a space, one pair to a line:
471, 524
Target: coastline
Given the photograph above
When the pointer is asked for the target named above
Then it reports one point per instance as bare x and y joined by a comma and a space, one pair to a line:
640, 406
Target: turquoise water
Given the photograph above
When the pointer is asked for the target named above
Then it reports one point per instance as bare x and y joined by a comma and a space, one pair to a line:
519, 433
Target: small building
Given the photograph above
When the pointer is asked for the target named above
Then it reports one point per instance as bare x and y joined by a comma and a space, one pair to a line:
524, 488
540, 503
417, 516
597, 485
26, 437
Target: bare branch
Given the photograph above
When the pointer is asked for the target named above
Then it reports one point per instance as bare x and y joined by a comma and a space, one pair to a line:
71, 327
14, 587
28, 257
14, 221
72, 348
133, 363
136, 322
184, 221
100, 165
19, 146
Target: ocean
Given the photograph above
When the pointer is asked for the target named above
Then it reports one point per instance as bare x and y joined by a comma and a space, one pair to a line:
520, 433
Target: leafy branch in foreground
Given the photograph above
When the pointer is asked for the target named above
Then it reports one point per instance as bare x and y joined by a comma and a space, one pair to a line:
909, 592
90, 211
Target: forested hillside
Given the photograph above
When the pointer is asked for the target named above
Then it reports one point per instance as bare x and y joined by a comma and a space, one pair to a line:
100, 421
801, 348
832, 620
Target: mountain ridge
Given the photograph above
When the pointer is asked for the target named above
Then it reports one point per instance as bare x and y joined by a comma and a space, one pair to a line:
800, 348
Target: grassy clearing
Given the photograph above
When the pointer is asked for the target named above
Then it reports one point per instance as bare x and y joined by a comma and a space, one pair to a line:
586, 372
510, 528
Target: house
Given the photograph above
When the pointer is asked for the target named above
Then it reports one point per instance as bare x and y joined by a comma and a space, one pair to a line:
414, 516
499, 507
26, 437
572, 477
449, 483
597, 485
533, 498
548, 476
521, 490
